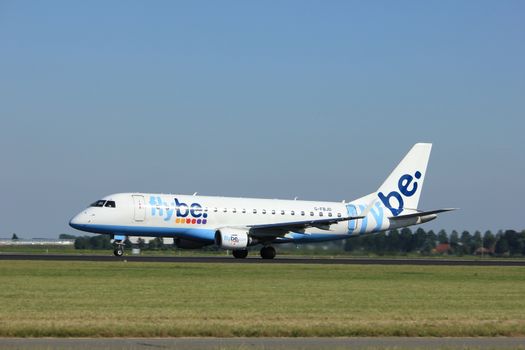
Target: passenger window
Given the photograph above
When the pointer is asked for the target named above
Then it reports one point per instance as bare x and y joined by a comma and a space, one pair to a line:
110, 204
311, 213
338, 215
255, 211
302, 213
292, 212
225, 210
264, 211
282, 212
330, 214
99, 203
273, 212
234, 210
244, 211
320, 213
214, 210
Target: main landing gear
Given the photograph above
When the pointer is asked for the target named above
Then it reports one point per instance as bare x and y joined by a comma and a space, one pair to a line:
240, 254
119, 248
267, 252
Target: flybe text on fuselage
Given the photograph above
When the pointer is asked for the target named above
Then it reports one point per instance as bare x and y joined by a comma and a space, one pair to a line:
184, 213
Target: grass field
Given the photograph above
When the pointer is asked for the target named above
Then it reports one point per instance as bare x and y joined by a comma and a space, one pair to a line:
302, 252
86, 299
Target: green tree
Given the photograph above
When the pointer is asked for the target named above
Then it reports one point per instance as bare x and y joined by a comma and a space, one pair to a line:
489, 240
100, 242
442, 237
463, 243
82, 242
419, 239
66, 236
502, 246
380, 243
476, 242
523, 238
393, 240
432, 235
454, 241
429, 245
14, 237
350, 244
430, 240
156, 243
406, 240
515, 241
141, 243
93, 242
367, 243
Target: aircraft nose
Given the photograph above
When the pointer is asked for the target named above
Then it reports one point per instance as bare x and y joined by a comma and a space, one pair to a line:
78, 220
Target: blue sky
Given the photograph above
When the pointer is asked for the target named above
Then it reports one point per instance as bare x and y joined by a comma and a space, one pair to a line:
315, 99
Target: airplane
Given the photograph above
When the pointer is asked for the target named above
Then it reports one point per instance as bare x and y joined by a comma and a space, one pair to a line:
238, 223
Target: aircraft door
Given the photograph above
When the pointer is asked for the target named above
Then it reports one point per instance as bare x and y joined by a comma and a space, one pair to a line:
139, 208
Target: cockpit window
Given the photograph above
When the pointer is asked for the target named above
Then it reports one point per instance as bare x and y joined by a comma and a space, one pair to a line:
110, 204
99, 203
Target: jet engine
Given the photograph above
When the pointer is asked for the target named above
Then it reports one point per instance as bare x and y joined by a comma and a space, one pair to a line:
232, 238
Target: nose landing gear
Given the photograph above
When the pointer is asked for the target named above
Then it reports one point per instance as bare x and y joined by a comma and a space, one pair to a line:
119, 248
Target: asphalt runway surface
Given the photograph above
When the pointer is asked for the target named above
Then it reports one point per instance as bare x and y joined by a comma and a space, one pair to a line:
257, 260
263, 343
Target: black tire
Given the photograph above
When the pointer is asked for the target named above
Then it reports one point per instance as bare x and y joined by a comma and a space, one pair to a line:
240, 254
268, 252
118, 252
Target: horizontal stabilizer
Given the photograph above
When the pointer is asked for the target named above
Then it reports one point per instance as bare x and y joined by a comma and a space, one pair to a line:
421, 213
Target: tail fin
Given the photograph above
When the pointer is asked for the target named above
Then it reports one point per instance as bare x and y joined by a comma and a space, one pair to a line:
402, 188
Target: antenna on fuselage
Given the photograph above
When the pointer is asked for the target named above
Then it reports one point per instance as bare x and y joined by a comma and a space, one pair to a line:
195, 194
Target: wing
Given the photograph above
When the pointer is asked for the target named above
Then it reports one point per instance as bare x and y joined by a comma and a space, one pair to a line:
282, 228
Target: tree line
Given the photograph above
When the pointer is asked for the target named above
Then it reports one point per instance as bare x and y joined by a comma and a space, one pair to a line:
393, 242
104, 242
423, 242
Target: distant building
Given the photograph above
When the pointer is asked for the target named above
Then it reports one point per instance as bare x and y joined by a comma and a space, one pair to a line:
443, 248
36, 241
484, 251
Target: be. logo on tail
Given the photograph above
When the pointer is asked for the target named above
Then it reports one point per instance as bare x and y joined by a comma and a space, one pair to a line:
404, 190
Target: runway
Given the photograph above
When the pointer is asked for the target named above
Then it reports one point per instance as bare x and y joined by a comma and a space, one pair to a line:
257, 260
263, 343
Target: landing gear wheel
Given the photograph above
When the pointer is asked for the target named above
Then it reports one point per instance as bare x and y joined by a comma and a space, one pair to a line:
268, 252
240, 254
119, 251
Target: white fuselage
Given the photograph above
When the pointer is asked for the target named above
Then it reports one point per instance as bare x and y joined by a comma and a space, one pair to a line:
198, 217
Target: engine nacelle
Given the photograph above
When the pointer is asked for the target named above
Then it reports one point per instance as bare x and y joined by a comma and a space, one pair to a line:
187, 244
231, 238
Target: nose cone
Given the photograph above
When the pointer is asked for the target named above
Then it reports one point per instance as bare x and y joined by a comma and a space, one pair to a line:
78, 221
